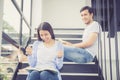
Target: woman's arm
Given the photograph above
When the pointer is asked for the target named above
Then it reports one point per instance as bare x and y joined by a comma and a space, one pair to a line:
59, 60
32, 54
60, 56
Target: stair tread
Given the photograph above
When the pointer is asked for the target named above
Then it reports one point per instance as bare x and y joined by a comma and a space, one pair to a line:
68, 28
68, 74
80, 74
68, 62
66, 33
64, 38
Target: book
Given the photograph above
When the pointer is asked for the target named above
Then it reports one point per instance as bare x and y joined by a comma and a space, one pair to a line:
50, 69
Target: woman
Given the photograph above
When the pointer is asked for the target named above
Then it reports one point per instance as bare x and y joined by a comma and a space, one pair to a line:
46, 53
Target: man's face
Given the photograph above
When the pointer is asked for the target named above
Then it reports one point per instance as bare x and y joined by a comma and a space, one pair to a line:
86, 17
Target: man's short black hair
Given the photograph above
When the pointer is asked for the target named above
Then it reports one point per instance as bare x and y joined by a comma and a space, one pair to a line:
90, 10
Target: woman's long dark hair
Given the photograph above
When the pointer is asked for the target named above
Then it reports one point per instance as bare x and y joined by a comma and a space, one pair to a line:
45, 26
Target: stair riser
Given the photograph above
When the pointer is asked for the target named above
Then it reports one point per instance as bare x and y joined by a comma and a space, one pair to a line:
75, 68
64, 77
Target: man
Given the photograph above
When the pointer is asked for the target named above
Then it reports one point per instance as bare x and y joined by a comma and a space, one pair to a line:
86, 50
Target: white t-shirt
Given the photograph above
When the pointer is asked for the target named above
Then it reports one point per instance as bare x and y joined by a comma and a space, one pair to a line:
93, 27
46, 56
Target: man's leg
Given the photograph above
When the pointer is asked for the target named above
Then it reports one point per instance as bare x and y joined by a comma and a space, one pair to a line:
78, 55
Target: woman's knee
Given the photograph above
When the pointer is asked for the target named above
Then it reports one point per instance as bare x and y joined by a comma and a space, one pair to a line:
47, 75
34, 75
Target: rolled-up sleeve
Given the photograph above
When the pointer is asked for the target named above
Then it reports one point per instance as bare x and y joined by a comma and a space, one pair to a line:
32, 59
59, 61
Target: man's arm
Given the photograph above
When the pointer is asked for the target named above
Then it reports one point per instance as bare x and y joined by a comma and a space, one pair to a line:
90, 41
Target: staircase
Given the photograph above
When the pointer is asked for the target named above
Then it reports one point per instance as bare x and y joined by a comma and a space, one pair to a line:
70, 70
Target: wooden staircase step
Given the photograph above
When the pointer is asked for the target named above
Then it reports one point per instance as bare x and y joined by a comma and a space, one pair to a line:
67, 76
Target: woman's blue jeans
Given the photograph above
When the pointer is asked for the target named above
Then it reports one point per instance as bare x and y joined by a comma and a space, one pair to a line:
43, 75
78, 55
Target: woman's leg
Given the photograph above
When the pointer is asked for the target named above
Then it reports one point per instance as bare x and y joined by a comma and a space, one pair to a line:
47, 75
78, 55
28, 74
28, 77
34, 75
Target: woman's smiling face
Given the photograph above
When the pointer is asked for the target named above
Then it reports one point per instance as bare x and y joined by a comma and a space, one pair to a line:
45, 35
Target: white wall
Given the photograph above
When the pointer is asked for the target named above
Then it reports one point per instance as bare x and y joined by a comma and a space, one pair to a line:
1, 22
36, 14
59, 13
63, 13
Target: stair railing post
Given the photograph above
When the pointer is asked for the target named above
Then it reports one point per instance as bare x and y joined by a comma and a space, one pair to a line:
1, 22
116, 40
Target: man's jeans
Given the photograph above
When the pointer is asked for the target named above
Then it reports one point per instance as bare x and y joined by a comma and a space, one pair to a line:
78, 55
43, 75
